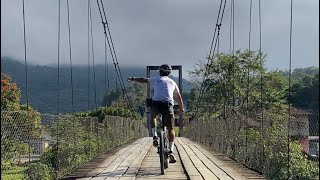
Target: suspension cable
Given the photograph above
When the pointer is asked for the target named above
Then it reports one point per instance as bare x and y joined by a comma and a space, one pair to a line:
116, 59
93, 64
70, 55
106, 72
215, 39
248, 76
261, 82
88, 40
25, 53
112, 51
289, 95
26, 67
58, 87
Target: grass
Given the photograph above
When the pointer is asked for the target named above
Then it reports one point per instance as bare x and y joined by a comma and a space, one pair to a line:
15, 173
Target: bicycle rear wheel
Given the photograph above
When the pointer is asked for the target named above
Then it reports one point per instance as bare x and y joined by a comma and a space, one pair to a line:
165, 149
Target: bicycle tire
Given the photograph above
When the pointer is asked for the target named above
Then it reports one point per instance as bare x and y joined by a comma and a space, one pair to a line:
166, 144
161, 153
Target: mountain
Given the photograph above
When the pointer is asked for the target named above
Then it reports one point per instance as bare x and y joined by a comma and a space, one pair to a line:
43, 84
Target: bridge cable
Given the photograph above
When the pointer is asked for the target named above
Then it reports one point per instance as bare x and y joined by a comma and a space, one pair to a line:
58, 58
26, 69
261, 83
58, 87
88, 40
217, 28
93, 63
117, 67
248, 77
106, 77
211, 53
231, 51
70, 55
113, 54
289, 95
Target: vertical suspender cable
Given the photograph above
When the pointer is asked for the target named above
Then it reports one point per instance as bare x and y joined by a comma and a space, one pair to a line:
261, 84
58, 91
233, 76
289, 95
233, 48
70, 57
106, 77
93, 64
248, 77
26, 69
88, 55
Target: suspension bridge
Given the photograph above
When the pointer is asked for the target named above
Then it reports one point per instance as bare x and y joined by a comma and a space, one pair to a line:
236, 129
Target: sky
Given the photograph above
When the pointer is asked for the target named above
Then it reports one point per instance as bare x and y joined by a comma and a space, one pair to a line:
150, 32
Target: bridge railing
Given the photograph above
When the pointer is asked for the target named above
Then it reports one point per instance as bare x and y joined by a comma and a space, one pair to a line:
60, 143
264, 145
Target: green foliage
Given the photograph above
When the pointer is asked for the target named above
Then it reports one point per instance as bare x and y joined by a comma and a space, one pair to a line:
305, 93
16, 128
15, 173
299, 168
10, 94
101, 112
276, 151
76, 146
238, 78
40, 171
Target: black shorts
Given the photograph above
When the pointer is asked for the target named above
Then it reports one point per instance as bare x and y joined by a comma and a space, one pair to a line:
166, 110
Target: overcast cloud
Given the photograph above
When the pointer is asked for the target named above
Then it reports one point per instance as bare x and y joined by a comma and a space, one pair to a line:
150, 32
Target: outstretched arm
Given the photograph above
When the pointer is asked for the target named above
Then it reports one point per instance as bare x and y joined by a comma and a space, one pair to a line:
180, 102
138, 79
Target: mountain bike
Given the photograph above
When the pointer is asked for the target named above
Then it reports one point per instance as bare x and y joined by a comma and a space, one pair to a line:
163, 148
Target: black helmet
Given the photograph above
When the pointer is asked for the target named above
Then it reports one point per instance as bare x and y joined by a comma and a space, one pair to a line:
164, 70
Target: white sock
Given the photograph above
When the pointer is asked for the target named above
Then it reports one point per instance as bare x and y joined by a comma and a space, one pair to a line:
171, 145
154, 131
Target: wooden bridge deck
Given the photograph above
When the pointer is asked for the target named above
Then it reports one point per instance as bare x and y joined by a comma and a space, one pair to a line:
140, 161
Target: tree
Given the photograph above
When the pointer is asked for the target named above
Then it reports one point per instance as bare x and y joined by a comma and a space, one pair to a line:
19, 123
236, 81
10, 94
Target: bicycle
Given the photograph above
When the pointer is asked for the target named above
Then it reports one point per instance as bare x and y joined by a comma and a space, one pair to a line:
163, 148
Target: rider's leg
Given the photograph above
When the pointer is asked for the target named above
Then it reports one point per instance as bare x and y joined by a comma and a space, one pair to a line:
171, 134
153, 126
154, 113
169, 122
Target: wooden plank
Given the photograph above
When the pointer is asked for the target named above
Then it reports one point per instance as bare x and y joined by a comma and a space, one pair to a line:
100, 168
191, 170
150, 168
220, 173
110, 170
134, 167
201, 167
229, 166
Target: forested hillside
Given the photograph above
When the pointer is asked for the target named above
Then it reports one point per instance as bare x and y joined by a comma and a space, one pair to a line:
43, 84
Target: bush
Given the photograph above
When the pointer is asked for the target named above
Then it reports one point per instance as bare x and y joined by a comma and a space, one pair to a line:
40, 171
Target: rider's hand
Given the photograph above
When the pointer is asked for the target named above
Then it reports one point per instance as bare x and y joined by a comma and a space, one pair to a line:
181, 111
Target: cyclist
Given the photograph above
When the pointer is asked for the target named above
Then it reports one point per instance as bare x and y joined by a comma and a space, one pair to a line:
162, 103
